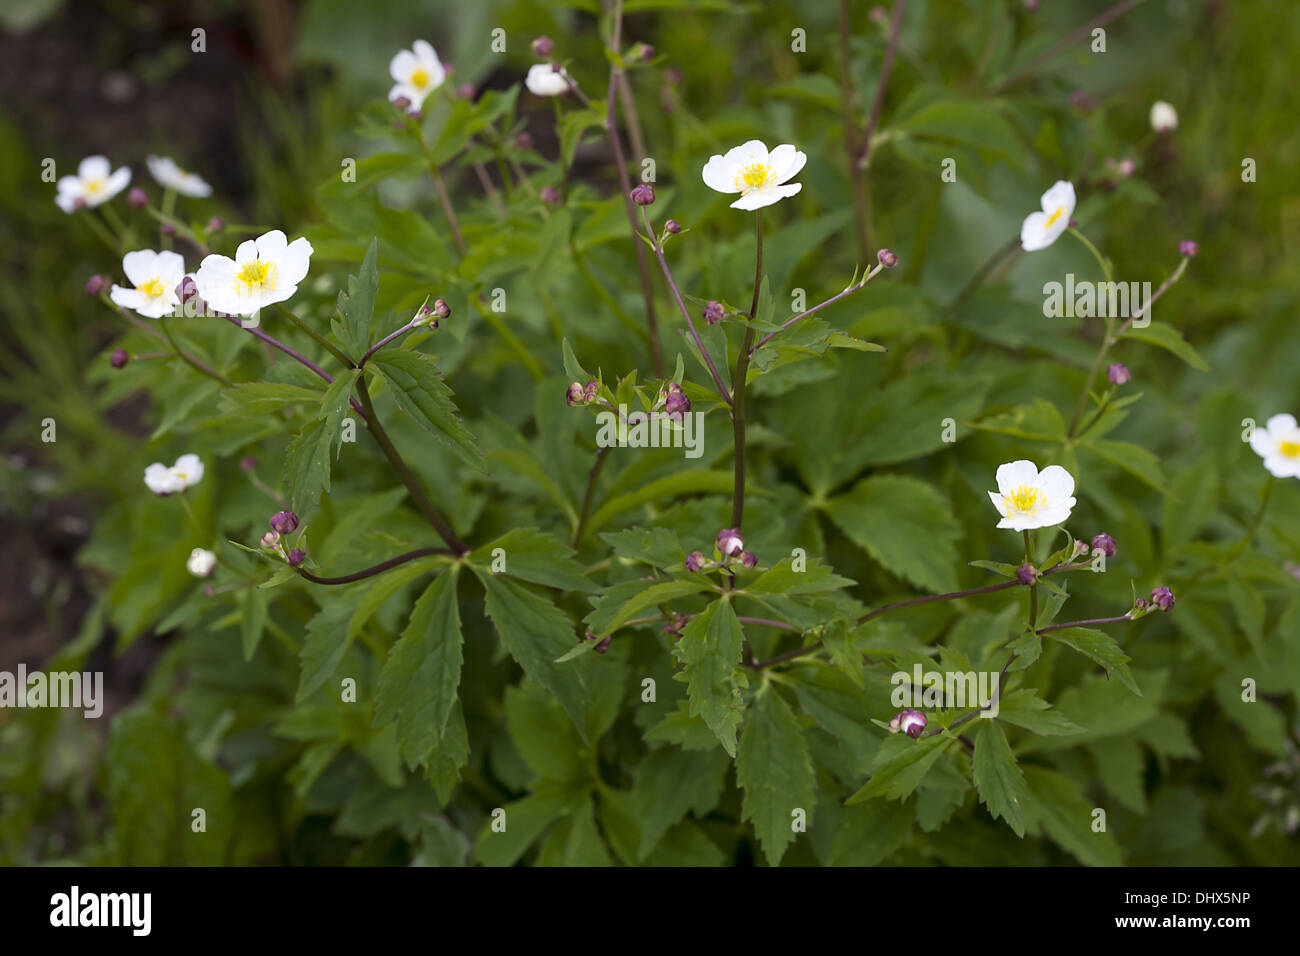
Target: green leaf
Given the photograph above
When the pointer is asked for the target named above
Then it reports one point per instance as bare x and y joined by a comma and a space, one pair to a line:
775, 772
326, 642
1134, 459
871, 832
417, 686
815, 578
1057, 806
252, 620
1100, 647
419, 391
652, 596
998, 779
710, 648
671, 782
535, 556
1026, 709
905, 525
900, 764
356, 305
1170, 339
307, 467
659, 547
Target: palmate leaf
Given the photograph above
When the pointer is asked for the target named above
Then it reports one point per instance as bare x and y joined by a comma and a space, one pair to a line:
710, 648
419, 391
775, 771
418, 684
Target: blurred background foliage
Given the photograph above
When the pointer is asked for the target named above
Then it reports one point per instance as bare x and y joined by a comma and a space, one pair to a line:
94, 569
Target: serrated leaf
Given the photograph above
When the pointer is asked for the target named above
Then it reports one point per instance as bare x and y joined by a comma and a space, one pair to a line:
900, 764
419, 391
535, 556
710, 648
1100, 647
998, 779
775, 772
307, 467
1170, 339
356, 305
815, 578
1026, 709
325, 644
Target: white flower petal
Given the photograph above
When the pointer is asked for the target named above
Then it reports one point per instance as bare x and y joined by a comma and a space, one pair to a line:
271, 245
1016, 473
786, 162
295, 260
1280, 424
402, 65
720, 175
747, 153
140, 265
93, 167
1056, 483
998, 503
424, 52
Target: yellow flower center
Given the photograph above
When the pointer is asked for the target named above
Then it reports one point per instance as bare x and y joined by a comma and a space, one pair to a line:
255, 276
1054, 216
753, 176
153, 288
1290, 448
94, 185
1024, 499
182, 475
420, 78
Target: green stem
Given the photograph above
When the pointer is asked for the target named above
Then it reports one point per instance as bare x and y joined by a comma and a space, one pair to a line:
738, 382
191, 360
1033, 588
104, 235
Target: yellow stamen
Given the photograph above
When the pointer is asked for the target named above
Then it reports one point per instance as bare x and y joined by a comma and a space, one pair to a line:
1054, 216
255, 276
1024, 499
419, 78
94, 185
1290, 448
153, 288
753, 176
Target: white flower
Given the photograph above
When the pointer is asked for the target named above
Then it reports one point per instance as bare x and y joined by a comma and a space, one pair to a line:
264, 271
1027, 498
544, 80
95, 183
162, 480
1041, 229
1278, 443
759, 176
171, 176
201, 562
155, 276
416, 73
1164, 118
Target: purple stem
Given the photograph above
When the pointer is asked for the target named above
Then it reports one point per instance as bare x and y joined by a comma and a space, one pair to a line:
816, 308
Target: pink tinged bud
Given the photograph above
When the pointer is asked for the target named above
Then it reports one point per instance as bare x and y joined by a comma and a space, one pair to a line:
187, 289
78, 203
672, 227
1031, 5
402, 103
677, 404
1083, 100
1163, 598
284, 522
910, 722
643, 195
119, 358
673, 74
465, 91
216, 224
1140, 603
887, 258
878, 14
730, 543
416, 115
524, 141
646, 52
543, 46
1188, 248
1126, 167
1081, 548
549, 195
574, 396
209, 590
713, 313
1105, 544
168, 229
694, 561
1026, 574
97, 284
270, 541
137, 198
296, 557
748, 559
591, 391
441, 309
1118, 374
602, 644
248, 463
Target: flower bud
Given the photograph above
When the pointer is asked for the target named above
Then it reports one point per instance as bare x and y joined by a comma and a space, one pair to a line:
713, 312
694, 561
643, 195
402, 103
748, 559
187, 289
1026, 574
1031, 5
270, 541
645, 52
284, 522
1105, 544
1188, 248
574, 395
1126, 168
672, 227
216, 224
465, 91
1083, 101
168, 229
201, 563
524, 141
416, 115
543, 46
119, 358
97, 284
137, 198
1164, 118
1080, 549
549, 195
441, 309
673, 75
1118, 374
591, 391
677, 405
887, 258
248, 463
910, 722
296, 557
1163, 598
730, 543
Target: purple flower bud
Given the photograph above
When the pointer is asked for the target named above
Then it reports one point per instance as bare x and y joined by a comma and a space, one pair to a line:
645, 51
441, 309
910, 722
137, 198
187, 289
694, 561
677, 404
216, 224
1126, 167
878, 13
713, 312
1163, 598
1084, 101
672, 227
465, 91
748, 559
1105, 544
1140, 603
209, 590
97, 284
284, 522
1026, 574
296, 557
1031, 5
730, 543
603, 646
673, 75
543, 46
78, 203
1188, 248
119, 358
248, 463
1118, 374
591, 391
678, 622
270, 541
1081, 548
887, 258
402, 103
416, 115
574, 395
643, 195
549, 195
524, 141
168, 229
